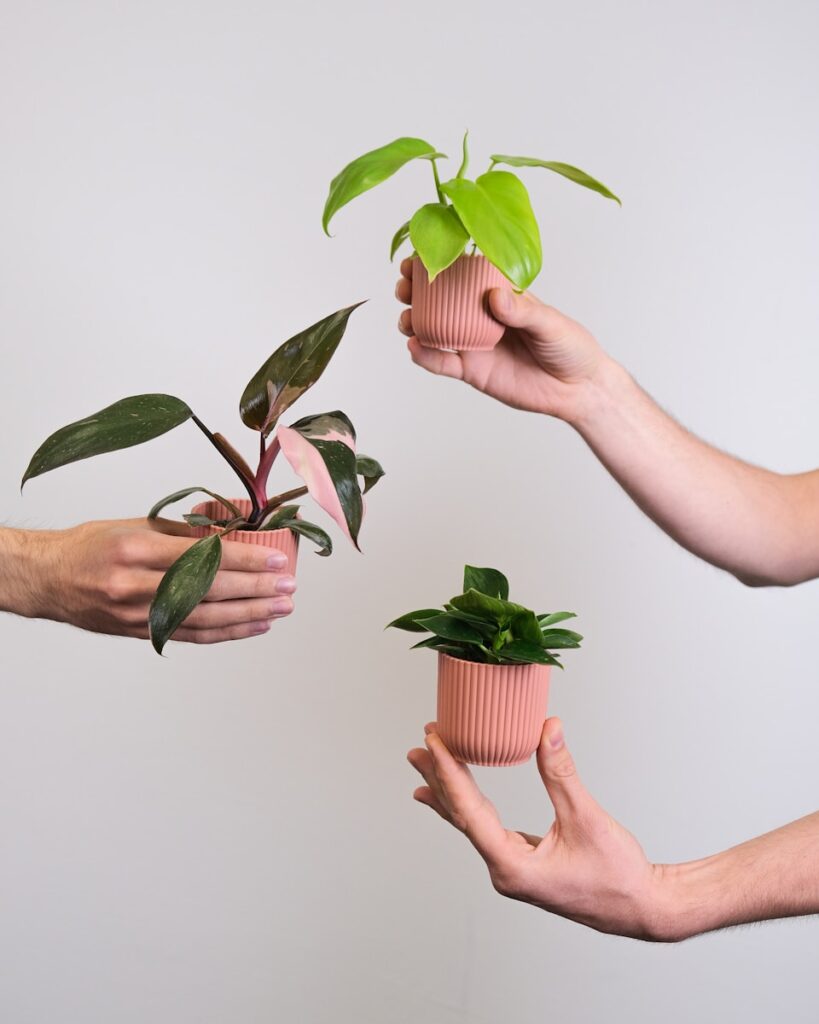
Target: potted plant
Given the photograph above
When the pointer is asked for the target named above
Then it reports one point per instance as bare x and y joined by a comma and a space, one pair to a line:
477, 235
494, 662
321, 449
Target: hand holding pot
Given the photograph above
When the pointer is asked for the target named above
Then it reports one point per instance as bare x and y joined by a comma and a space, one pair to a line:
102, 576
586, 868
544, 363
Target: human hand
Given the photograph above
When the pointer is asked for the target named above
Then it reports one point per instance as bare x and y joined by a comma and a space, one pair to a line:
586, 868
545, 361
102, 576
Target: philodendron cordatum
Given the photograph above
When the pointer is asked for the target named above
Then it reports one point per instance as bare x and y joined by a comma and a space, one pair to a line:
321, 449
493, 212
483, 625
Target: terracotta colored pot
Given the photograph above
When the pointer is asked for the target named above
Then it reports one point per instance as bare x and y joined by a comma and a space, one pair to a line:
491, 714
284, 540
453, 311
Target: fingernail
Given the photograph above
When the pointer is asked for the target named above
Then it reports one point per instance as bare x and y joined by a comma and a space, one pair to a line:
556, 740
278, 560
259, 627
281, 606
286, 585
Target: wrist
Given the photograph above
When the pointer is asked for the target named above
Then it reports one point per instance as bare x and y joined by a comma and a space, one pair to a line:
689, 900
26, 557
597, 396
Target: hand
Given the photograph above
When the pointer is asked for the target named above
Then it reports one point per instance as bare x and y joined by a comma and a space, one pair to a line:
545, 362
102, 576
586, 868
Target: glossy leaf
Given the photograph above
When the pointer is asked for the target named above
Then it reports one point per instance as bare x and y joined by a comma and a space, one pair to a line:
528, 654
370, 170
369, 469
553, 617
321, 449
314, 533
500, 611
186, 493
487, 581
398, 239
557, 642
279, 517
451, 628
182, 588
410, 621
572, 173
292, 369
124, 424
525, 626
496, 211
438, 236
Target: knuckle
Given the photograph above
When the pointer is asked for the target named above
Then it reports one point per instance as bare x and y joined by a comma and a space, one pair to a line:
563, 767
118, 587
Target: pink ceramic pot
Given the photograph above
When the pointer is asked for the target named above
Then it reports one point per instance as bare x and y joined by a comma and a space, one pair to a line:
284, 540
491, 714
453, 311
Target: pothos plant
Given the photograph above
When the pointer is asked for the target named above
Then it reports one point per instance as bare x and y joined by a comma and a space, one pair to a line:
482, 624
492, 212
321, 449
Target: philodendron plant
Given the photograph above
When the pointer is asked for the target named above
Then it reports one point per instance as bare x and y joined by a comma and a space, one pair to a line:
321, 449
492, 212
483, 625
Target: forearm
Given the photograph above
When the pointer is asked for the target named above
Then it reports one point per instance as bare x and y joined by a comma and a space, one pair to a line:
773, 876
23, 555
754, 523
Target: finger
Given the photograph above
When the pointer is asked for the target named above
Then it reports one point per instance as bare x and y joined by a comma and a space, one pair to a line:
206, 636
251, 557
405, 323
445, 364
470, 810
406, 267
568, 794
403, 290
421, 761
424, 795
231, 586
232, 613
526, 313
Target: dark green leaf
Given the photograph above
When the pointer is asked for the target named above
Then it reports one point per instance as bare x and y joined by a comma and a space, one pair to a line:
496, 211
438, 236
488, 627
370, 170
487, 581
486, 607
182, 588
526, 627
314, 533
369, 469
451, 628
527, 653
398, 239
551, 619
553, 642
279, 517
572, 173
186, 493
124, 424
292, 369
195, 519
409, 622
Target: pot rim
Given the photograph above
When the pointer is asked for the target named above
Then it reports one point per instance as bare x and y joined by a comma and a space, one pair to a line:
218, 529
486, 664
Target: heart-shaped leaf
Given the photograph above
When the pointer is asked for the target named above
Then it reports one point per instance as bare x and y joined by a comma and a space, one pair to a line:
182, 588
124, 424
496, 211
411, 621
292, 369
321, 449
487, 581
398, 239
186, 493
438, 236
370, 170
369, 469
572, 173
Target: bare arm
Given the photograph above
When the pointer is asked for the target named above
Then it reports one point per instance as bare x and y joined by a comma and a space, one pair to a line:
102, 576
589, 869
761, 526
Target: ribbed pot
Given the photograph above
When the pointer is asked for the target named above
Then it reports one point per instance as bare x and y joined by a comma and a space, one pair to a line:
285, 540
453, 311
491, 714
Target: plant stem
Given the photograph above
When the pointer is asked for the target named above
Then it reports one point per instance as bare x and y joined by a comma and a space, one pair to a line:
266, 459
282, 499
249, 487
441, 196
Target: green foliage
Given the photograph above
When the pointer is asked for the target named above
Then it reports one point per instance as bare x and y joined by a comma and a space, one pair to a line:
482, 624
493, 211
182, 588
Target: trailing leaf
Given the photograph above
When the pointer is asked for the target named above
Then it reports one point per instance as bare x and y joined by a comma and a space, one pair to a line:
126, 423
314, 533
182, 588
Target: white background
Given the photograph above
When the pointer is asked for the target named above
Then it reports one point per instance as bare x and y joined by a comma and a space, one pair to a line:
227, 835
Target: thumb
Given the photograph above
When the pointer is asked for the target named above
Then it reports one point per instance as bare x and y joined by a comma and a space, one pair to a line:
566, 791
528, 314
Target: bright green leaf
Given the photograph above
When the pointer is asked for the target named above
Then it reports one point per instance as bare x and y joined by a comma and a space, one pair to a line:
553, 617
124, 424
464, 158
572, 173
182, 588
398, 239
496, 211
438, 236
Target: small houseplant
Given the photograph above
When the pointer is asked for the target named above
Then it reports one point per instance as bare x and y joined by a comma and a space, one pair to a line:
321, 449
475, 236
494, 662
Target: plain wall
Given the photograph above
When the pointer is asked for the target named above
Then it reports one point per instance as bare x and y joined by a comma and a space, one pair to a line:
227, 834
